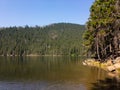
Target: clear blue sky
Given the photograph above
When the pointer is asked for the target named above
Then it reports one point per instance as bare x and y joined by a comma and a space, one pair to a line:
43, 12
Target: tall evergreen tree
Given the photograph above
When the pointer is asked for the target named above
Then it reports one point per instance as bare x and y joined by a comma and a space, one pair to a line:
102, 37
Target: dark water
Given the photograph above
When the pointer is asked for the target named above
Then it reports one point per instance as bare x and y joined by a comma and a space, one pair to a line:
48, 73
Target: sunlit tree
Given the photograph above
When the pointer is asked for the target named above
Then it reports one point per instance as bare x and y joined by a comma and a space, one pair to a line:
102, 37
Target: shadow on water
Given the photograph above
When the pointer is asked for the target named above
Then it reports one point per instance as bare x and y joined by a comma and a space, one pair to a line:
107, 84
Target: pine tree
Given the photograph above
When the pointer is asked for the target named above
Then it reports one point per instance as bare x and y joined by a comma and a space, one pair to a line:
102, 37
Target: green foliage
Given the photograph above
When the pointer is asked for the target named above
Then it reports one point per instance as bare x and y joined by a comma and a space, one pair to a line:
54, 39
103, 29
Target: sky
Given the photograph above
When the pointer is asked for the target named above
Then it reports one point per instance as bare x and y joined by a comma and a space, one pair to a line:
43, 12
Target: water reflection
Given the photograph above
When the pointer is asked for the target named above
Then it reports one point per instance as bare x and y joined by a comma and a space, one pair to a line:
107, 84
47, 73
38, 68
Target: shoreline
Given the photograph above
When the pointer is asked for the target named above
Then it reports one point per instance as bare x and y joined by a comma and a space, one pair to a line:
32, 55
112, 67
35, 55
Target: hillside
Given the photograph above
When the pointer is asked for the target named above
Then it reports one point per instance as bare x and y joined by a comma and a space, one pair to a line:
54, 39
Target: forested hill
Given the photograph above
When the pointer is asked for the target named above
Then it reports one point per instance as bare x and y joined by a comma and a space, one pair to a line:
54, 39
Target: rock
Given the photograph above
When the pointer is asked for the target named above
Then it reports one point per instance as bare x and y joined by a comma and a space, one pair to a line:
88, 62
109, 63
117, 65
111, 68
113, 74
117, 60
84, 63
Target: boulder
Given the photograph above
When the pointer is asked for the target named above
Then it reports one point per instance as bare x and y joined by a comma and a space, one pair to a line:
109, 63
111, 68
117, 65
117, 60
84, 63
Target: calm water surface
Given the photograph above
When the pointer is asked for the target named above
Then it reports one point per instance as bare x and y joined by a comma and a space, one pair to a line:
47, 73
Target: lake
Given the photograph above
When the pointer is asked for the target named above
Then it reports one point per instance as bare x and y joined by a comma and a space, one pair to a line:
48, 73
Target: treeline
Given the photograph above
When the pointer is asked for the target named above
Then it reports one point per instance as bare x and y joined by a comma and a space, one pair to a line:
54, 39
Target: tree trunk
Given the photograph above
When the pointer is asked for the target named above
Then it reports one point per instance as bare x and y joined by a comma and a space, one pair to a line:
97, 44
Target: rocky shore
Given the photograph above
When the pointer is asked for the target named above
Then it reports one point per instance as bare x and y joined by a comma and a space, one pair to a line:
111, 66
